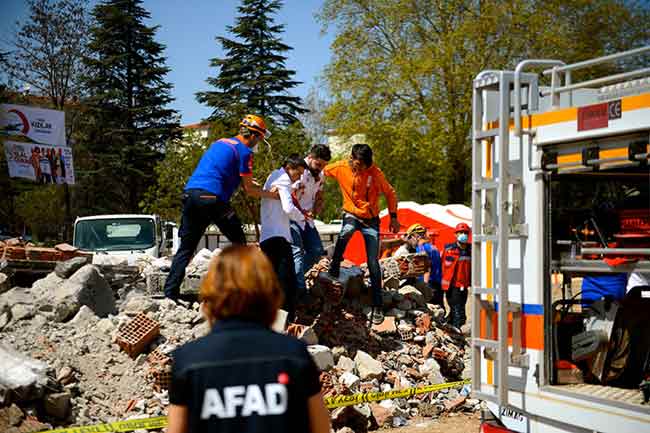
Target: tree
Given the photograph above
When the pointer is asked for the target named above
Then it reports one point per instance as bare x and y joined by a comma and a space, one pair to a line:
46, 57
129, 121
402, 71
252, 76
47, 51
312, 120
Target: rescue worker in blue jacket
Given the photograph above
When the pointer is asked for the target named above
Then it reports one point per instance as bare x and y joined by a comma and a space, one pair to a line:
457, 274
206, 199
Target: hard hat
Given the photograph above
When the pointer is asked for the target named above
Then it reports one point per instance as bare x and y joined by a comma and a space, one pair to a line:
416, 229
462, 227
255, 124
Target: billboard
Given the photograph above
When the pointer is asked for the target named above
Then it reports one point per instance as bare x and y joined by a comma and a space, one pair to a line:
39, 162
35, 144
37, 124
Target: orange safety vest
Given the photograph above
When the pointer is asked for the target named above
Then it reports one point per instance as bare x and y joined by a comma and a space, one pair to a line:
456, 266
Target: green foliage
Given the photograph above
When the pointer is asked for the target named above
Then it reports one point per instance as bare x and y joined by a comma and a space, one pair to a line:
181, 157
402, 72
42, 210
252, 76
128, 121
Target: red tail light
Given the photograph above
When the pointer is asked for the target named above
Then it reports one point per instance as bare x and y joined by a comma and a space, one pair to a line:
492, 427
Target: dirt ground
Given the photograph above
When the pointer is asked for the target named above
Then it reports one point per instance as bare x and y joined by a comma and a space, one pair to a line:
452, 423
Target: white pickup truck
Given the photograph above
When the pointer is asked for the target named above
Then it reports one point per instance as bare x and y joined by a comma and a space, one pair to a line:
126, 235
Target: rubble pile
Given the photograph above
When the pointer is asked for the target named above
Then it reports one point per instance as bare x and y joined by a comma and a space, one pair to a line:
90, 343
413, 347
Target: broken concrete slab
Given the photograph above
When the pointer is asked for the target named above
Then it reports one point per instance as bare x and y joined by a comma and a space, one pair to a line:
21, 378
86, 287
350, 380
84, 318
67, 268
138, 303
345, 364
367, 366
45, 287
322, 356
413, 295
58, 404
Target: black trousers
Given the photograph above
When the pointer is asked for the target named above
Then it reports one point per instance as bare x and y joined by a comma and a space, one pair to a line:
278, 250
457, 299
200, 209
437, 295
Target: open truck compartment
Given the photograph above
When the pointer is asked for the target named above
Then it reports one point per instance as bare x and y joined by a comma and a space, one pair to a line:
598, 238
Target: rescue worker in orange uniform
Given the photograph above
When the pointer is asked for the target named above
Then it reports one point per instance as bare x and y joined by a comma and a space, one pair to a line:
457, 274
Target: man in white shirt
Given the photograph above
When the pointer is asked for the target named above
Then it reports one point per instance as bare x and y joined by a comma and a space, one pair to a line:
308, 192
275, 238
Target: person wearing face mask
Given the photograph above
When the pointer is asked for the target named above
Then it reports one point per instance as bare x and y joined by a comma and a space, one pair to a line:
308, 195
275, 236
361, 182
206, 198
456, 274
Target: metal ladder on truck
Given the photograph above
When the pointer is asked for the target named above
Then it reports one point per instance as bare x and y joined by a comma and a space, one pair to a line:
497, 218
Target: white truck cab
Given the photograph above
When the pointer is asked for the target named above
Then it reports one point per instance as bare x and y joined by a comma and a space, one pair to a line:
126, 235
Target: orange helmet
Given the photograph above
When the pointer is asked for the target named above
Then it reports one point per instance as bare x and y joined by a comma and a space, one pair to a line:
255, 124
416, 229
462, 227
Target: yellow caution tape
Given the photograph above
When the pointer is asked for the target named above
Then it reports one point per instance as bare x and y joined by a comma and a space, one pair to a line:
330, 402
118, 426
351, 400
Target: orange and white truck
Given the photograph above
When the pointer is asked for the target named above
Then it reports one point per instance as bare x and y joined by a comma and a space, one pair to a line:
561, 245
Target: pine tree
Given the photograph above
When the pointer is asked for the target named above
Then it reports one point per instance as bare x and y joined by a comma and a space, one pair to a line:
130, 121
252, 75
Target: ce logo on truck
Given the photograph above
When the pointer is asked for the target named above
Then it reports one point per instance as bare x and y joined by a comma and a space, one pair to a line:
614, 109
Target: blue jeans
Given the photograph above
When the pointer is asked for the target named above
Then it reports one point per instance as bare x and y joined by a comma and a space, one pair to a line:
307, 249
370, 231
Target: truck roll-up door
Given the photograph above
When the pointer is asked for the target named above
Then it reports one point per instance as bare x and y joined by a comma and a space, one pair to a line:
597, 155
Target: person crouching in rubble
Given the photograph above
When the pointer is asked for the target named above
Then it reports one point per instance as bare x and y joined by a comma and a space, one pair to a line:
457, 274
243, 377
361, 182
415, 241
275, 236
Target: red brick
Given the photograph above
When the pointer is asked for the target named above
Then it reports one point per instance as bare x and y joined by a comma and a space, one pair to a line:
14, 253
41, 254
440, 354
455, 404
137, 334
423, 323
387, 326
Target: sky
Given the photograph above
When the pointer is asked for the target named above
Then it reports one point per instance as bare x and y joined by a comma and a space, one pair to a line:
188, 29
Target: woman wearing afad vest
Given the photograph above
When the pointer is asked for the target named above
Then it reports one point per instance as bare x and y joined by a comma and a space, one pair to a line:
457, 274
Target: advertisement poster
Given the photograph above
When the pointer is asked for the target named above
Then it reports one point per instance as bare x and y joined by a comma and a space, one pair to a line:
40, 163
40, 125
